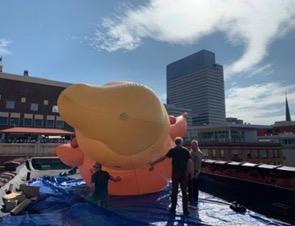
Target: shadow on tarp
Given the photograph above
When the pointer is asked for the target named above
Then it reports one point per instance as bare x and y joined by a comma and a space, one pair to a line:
62, 203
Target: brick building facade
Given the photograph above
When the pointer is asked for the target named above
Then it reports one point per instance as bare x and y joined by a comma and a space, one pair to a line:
27, 101
244, 152
278, 128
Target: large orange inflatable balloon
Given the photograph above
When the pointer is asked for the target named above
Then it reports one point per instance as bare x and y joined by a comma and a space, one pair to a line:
123, 126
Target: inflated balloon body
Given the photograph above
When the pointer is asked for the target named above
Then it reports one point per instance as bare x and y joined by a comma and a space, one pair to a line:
123, 126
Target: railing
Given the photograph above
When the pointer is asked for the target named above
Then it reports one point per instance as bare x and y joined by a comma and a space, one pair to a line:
33, 141
27, 149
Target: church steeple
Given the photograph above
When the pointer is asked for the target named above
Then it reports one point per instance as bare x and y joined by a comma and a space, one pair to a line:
1, 65
288, 116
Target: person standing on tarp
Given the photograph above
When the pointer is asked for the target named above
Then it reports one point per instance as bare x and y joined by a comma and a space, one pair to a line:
99, 185
180, 156
196, 161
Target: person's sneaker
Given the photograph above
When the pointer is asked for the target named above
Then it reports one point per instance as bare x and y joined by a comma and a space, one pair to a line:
185, 212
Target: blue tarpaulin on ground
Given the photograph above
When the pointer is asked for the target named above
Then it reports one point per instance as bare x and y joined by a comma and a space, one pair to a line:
62, 203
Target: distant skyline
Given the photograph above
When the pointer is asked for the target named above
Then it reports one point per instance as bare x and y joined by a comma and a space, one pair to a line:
101, 41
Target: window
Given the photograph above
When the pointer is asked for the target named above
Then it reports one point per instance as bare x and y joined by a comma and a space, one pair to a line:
23, 100
49, 123
213, 153
205, 152
278, 153
249, 156
273, 153
45, 102
59, 124
254, 154
3, 121
28, 122
39, 123
55, 109
218, 153
258, 154
236, 155
10, 104
14, 121
222, 153
263, 154
34, 107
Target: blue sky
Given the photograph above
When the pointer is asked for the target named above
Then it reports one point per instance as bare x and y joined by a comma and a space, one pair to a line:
101, 41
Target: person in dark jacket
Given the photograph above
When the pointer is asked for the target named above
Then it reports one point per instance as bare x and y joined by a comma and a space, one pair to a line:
99, 184
180, 156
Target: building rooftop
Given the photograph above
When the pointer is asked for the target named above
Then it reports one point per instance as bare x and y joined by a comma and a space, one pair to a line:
231, 125
281, 135
30, 79
29, 130
190, 64
283, 123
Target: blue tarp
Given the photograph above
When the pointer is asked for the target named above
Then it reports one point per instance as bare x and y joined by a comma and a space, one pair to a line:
62, 203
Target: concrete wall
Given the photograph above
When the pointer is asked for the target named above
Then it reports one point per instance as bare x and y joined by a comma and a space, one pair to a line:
251, 136
10, 149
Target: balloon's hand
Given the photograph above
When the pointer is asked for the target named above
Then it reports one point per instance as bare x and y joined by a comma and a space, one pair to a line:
185, 114
151, 168
118, 178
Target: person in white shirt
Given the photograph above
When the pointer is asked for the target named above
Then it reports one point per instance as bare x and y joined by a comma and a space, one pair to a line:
194, 169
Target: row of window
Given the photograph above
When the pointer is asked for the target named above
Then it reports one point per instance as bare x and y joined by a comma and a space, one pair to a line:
213, 152
287, 141
236, 153
10, 104
29, 122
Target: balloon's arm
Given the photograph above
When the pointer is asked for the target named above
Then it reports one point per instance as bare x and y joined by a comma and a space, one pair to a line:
86, 169
70, 156
179, 128
115, 179
153, 163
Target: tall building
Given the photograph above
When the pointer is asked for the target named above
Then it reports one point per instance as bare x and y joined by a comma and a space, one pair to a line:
196, 82
233, 120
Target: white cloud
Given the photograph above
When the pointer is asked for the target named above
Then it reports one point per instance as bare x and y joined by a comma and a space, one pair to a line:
253, 23
261, 70
3, 46
259, 104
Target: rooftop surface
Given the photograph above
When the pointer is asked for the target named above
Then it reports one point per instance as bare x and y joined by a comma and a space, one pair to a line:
62, 203
31, 79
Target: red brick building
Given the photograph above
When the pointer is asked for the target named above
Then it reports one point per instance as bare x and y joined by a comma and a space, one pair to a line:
278, 128
27, 101
244, 152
